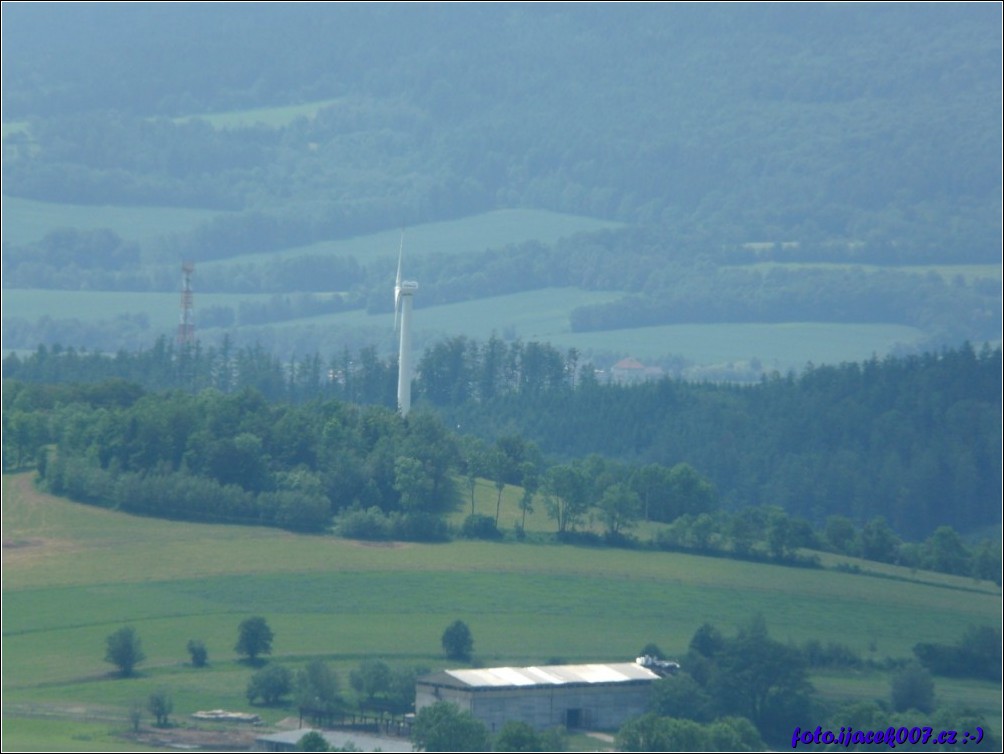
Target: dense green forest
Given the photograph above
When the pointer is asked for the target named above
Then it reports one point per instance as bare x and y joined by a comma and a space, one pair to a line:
913, 441
721, 137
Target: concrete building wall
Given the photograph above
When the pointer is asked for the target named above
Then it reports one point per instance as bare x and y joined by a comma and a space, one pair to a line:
595, 706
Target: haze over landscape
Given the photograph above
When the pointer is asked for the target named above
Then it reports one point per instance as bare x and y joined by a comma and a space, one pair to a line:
693, 167
707, 292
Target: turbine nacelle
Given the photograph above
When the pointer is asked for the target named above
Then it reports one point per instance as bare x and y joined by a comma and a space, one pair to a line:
401, 287
406, 288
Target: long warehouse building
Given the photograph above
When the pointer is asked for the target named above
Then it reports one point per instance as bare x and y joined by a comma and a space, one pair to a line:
596, 697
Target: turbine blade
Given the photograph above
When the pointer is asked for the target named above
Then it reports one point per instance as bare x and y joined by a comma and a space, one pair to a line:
400, 258
397, 283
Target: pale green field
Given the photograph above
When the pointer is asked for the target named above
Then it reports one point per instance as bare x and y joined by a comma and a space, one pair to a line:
94, 306
73, 574
780, 346
53, 734
473, 234
273, 117
541, 315
983, 697
967, 272
12, 127
25, 220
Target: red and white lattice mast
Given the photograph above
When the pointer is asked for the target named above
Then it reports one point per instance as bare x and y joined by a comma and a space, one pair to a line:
186, 328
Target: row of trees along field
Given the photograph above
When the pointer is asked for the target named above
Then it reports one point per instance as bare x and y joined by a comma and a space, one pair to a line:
848, 458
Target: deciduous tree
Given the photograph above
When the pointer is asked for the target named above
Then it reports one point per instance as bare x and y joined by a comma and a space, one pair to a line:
197, 650
371, 678
317, 689
760, 679
457, 641
124, 650
619, 508
269, 684
443, 727
566, 495
254, 637
160, 705
912, 688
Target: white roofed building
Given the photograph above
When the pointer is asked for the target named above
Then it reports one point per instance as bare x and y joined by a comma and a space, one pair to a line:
598, 697
630, 371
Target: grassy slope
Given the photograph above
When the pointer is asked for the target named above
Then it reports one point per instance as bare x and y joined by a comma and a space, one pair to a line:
472, 234
25, 220
73, 574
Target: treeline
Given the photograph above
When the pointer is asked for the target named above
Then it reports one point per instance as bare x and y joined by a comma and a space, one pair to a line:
736, 693
235, 458
768, 533
899, 438
915, 439
947, 311
361, 377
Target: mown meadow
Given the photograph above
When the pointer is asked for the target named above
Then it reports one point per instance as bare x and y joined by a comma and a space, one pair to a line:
73, 574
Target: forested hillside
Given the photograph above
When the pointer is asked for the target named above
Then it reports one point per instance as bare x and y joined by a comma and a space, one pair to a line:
914, 440
719, 137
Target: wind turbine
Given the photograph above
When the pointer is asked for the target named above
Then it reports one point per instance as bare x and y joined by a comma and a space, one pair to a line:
403, 292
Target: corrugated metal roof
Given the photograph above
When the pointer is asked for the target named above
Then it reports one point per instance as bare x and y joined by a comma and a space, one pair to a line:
551, 675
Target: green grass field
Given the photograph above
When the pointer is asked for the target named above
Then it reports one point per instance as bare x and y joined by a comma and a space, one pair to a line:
25, 220
73, 574
7, 128
543, 315
95, 306
273, 117
968, 272
466, 235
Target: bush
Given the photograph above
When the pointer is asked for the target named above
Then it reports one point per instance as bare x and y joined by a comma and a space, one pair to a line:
478, 526
457, 641
312, 741
912, 688
198, 652
369, 524
270, 684
420, 527
443, 727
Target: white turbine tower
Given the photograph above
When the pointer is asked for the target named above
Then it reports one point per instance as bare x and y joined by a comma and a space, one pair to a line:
403, 292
